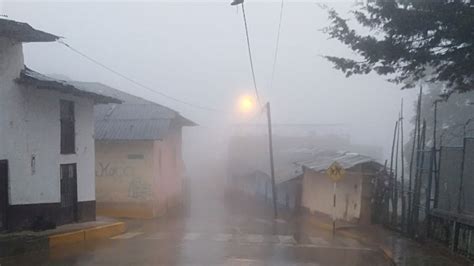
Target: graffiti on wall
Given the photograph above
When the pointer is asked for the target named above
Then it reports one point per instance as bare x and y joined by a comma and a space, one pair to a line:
121, 180
138, 189
106, 169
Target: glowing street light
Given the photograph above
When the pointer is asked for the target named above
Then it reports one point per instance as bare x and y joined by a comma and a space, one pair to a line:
246, 104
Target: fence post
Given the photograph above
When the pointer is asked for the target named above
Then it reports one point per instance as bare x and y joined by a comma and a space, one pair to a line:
428, 192
460, 207
455, 239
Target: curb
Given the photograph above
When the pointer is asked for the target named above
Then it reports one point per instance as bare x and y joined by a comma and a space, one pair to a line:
94, 233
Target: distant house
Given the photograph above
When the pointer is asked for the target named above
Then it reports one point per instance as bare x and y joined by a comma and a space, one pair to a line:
46, 140
139, 165
354, 191
288, 191
249, 170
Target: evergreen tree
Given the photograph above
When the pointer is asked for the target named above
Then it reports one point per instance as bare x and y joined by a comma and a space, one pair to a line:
410, 40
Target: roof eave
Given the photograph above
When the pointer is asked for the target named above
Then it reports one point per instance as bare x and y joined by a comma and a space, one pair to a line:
65, 88
186, 122
23, 32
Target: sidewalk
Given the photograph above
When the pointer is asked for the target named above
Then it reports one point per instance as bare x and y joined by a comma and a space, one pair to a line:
15, 243
398, 248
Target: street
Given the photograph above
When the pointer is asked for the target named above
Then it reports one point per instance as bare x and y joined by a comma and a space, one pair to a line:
213, 231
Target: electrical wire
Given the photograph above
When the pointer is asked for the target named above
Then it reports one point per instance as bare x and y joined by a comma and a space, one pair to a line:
136, 82
250, 54
277, 45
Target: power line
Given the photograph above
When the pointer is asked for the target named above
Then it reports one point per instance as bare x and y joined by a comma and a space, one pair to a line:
277, 44
136, 82
250, 54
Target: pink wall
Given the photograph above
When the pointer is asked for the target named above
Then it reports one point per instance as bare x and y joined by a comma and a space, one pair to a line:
168, 171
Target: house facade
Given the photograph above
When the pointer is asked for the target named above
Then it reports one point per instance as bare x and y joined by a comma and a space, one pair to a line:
354, 192
46, 140
139, 164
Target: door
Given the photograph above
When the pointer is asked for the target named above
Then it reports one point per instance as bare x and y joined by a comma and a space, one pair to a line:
68, 193
3, 194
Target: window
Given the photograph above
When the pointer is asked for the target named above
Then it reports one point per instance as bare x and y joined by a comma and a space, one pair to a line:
68, 133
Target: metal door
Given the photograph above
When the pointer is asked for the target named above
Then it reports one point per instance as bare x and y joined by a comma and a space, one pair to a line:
3, 194
68, 193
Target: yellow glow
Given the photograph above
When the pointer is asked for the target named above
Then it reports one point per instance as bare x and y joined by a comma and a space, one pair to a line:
246, 104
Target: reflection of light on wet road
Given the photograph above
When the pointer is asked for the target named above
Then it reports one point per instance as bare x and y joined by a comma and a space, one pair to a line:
215, 230
127, 235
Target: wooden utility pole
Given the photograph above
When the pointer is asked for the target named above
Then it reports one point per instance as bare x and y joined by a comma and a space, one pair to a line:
392, 183
418, 178
395, 178
272, 167
435, 152
402, 177
415, 145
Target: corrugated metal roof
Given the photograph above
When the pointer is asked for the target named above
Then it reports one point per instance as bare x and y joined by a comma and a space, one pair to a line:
136, 129
287, 173
115, 93
133, 111
23, 32
322, 160
134, 121
40, 81
133, 107
289, 163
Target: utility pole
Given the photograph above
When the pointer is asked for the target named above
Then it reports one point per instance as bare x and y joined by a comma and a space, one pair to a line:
272, 167
267, 107
391, 181
415, 146
461, 181
402, 178
435, 151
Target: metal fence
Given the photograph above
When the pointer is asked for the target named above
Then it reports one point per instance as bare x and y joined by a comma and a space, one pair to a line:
439, 200
451, 217
449, 178
467, 188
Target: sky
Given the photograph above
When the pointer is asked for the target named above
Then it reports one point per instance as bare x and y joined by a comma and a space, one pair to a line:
196, 51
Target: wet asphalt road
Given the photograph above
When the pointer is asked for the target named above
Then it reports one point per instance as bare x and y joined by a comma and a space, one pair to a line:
213, 230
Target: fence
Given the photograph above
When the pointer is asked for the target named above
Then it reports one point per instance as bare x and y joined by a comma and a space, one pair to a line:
438, 199
452, 218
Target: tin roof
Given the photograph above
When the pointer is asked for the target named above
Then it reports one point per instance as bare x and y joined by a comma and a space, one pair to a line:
40, 81
131, 129
289, 163
23, 32
135, 119
322, 160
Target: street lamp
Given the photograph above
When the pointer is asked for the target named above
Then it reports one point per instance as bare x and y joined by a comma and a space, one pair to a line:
247, 105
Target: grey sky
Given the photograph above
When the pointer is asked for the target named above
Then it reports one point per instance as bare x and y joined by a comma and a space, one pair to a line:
196, 51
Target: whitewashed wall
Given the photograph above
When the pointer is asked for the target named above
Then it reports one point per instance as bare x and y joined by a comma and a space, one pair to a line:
30, 127
318, 194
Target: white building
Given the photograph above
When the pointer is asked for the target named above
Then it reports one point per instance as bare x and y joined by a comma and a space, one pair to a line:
354, 192
46, 139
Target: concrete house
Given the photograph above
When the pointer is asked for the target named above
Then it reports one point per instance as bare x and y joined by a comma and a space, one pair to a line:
354, 191
139, 165
46, 139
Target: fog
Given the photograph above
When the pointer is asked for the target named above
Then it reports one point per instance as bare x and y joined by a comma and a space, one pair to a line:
196, 51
